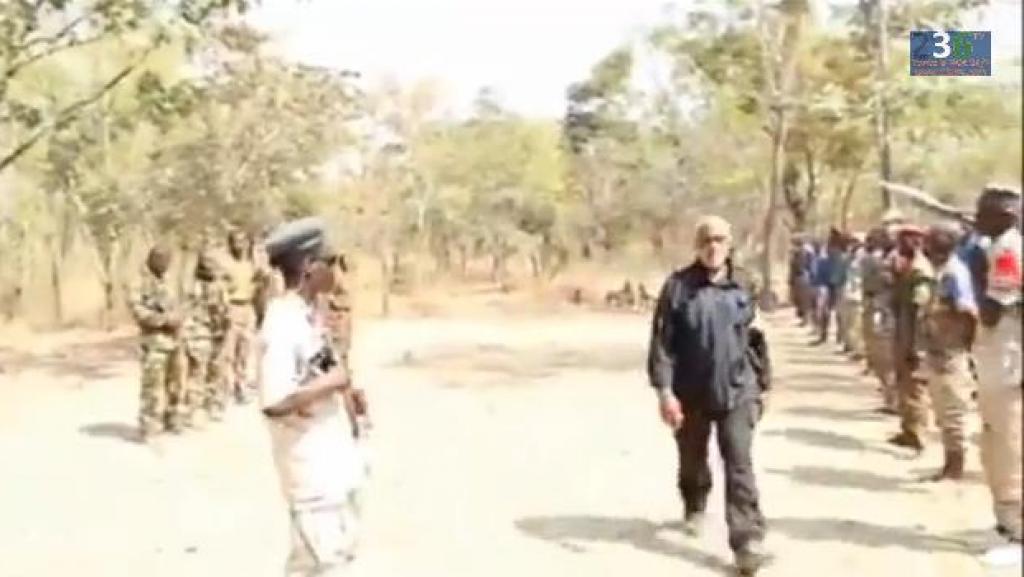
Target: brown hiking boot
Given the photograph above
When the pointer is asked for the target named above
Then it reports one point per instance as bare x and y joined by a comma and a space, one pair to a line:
953, 469
908, 440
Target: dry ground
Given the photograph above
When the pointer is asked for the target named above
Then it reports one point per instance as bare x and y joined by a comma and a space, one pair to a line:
505, 446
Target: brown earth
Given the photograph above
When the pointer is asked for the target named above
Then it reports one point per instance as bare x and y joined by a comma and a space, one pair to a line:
505, 445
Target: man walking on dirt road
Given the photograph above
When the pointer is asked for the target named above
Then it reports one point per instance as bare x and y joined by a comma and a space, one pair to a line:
699, 365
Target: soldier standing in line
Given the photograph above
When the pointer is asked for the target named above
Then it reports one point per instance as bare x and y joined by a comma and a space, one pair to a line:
831, 273
205, 326
156, 312
998, 357
851, 300
242, 281
950, 325
878, 323
913, 276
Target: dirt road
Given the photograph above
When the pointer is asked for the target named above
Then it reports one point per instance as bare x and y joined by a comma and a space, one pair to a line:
504, 447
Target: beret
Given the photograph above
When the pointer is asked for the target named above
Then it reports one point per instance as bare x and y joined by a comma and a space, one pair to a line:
297, 237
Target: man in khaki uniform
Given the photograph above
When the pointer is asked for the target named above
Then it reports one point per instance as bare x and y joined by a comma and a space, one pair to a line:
998, 356
911, 294
951, 319
156, 312
877, 322
242, 279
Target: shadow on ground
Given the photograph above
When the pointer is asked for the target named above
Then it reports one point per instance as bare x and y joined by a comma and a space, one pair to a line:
118, 431
504, 365
831, 440
830, 414
567, 532
865, 534
847, 479
87, 361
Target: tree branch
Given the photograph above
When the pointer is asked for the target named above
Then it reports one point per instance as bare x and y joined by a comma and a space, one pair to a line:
71, 112
54, 47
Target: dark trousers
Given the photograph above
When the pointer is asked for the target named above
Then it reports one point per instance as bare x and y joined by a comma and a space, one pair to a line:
735, 433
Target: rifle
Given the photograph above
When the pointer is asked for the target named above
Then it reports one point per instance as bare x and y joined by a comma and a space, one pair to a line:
929, 203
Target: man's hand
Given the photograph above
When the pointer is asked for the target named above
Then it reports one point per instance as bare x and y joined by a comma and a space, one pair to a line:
670, 409
764, 401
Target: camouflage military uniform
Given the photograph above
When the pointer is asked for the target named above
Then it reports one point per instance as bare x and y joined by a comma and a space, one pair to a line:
877, 323
204, 332
161, 403
911, 295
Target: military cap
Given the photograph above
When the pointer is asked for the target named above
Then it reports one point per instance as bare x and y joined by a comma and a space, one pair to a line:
305, 236
910, 230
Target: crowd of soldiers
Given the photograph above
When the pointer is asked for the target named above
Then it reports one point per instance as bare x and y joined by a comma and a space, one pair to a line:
198, 351
934, 312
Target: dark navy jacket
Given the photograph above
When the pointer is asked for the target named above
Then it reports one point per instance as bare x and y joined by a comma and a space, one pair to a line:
700, 339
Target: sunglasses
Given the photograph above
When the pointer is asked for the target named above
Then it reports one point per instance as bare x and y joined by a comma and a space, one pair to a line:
713, 239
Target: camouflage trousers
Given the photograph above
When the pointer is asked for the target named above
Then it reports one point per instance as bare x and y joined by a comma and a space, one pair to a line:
998, 355
912, 400
161, 399
878, 348
950, 385
206, 388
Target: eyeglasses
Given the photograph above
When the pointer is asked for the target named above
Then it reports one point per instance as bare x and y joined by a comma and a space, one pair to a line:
713, 239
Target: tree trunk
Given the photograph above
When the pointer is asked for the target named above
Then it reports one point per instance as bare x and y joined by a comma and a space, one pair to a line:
56, 281
876, 16
109, 273
385, 284
767, 241
844, 217
535, 264
463, 260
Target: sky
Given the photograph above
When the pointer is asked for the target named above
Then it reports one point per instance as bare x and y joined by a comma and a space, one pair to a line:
528, 51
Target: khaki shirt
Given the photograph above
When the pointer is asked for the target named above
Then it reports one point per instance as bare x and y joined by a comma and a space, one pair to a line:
241, 280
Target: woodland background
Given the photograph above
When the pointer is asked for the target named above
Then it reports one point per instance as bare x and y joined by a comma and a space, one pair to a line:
127, 121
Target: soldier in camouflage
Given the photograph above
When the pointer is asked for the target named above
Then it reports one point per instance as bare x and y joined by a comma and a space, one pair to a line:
156, 312
205, 327
912, 288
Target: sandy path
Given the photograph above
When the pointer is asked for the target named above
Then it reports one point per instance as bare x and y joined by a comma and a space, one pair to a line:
503, 448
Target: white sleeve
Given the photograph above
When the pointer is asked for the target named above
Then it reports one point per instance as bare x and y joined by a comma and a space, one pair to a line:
278, 375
